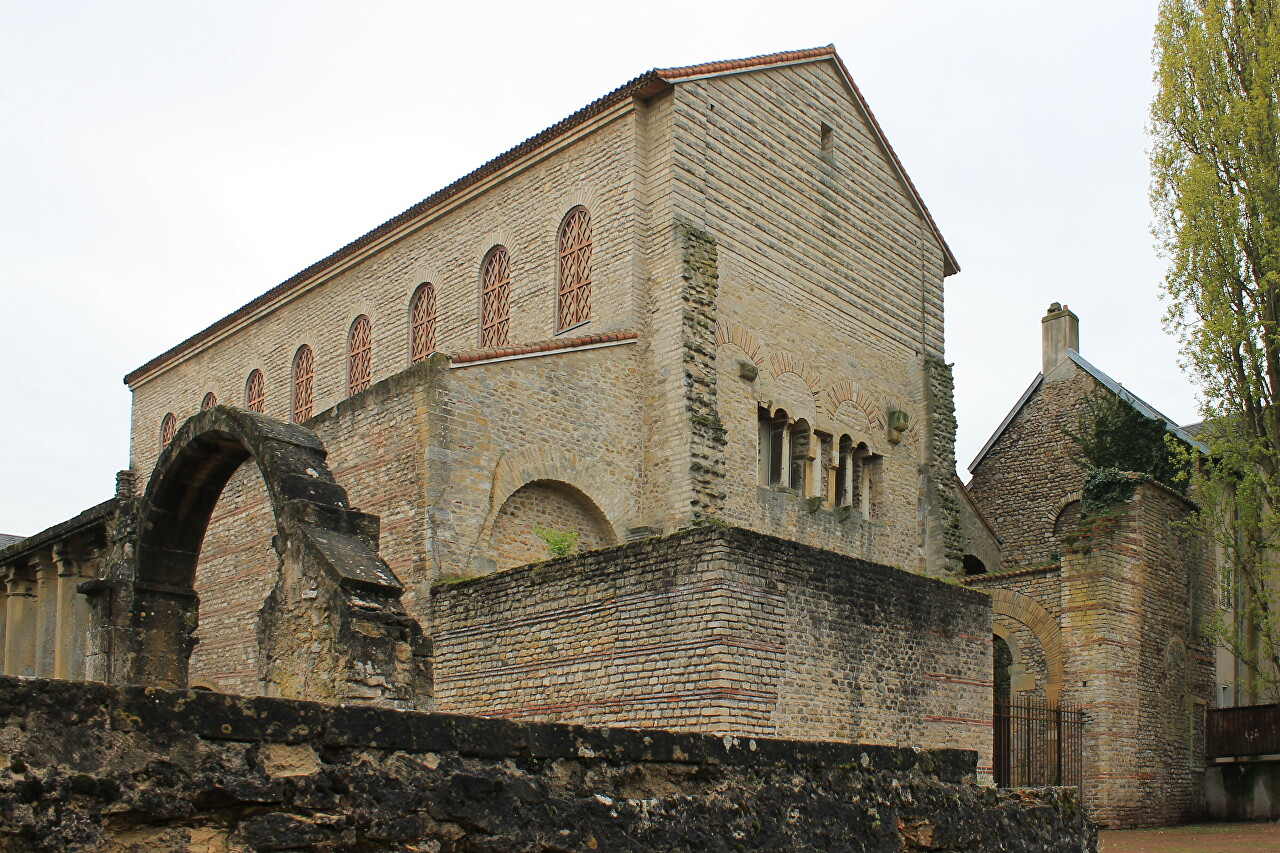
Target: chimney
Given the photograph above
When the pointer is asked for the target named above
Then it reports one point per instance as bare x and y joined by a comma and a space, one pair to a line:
1060, 330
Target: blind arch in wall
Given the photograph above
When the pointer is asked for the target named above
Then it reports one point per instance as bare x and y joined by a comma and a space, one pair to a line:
495, 298
359, 355
573, 281
255, 392
304, 383
422, 323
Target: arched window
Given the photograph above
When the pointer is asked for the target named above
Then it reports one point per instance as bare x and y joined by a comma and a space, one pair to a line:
573, 288
495, 298
168, 429
973, 565
773, 430
210, 400
801, 442
844, 473
359, 355
422, 323
255, 392
304, 378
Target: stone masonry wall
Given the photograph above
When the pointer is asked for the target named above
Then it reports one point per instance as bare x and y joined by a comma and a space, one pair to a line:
522, 212
829, 286
435, 452
1135, 588
1034, 468
721, 630
94, 768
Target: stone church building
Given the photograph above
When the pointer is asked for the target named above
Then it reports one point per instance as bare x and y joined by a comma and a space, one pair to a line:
692, 333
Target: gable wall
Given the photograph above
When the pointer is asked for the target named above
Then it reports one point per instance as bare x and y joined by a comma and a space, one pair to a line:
1034, 467
830, 283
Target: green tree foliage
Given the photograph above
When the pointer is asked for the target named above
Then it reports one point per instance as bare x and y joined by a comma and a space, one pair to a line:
1215, 126
1112, 434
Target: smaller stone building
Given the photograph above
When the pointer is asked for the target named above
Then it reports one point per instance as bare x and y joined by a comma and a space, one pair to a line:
1104, 612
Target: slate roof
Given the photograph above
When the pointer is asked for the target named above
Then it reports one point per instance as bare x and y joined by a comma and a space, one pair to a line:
644, 86
7, 539
1187, 434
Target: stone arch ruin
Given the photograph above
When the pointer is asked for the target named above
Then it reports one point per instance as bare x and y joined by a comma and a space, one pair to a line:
332, 629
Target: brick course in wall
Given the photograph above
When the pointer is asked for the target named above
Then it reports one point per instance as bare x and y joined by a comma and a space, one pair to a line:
721, 630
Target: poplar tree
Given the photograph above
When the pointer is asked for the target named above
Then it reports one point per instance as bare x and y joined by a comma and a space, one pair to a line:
1215, 160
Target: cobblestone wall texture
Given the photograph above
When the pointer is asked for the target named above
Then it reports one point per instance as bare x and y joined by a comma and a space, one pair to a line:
1034, 468
94, 768
721, 630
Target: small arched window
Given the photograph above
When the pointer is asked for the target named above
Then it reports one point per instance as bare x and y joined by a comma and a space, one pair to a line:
255, 392
573, 289
495, 298
801, 444
359, 355
773, 430
168, 429
304, 378
422, 323
210, 400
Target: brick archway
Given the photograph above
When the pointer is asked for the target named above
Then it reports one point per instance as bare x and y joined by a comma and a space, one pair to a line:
1025, 610
332, 629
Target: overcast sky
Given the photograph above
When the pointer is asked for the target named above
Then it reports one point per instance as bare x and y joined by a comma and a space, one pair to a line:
162, 163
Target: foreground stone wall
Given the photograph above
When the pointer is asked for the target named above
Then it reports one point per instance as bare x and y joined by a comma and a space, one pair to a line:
721, 630
91, 767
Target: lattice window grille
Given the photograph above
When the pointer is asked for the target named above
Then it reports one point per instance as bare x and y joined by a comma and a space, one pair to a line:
303, 383
422, 323
495, 300
210, 400
255, 392
168, 429
574, 285
359, 355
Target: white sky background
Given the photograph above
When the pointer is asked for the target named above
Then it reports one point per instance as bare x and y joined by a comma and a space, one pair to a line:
162, 163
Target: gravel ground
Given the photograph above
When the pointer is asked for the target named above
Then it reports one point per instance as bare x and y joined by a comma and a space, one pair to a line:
1199, 838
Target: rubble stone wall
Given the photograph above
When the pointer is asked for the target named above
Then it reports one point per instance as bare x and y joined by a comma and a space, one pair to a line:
94, 768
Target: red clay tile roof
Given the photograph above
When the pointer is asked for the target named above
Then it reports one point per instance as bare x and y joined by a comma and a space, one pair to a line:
645, 86
469, 356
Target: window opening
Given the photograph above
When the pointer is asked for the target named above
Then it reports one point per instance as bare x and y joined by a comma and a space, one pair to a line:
844, 473
772, 443
827, 140
303, 383
210, 400
973, 565
359, 355
573, 290
798, 470
255, 392
168, 429
422, 323
495, 298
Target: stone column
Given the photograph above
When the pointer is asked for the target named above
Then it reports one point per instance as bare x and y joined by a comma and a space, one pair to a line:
20, 622
46, 613
73, 613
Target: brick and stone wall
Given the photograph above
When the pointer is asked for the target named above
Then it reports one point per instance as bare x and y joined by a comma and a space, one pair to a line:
721, 630
1034, 469
94, 768
1135, 588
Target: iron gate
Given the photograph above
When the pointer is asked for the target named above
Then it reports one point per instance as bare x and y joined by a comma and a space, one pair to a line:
1037, 744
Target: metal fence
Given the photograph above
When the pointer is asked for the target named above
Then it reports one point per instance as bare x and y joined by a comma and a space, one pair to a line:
1247, 730
1038, 744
